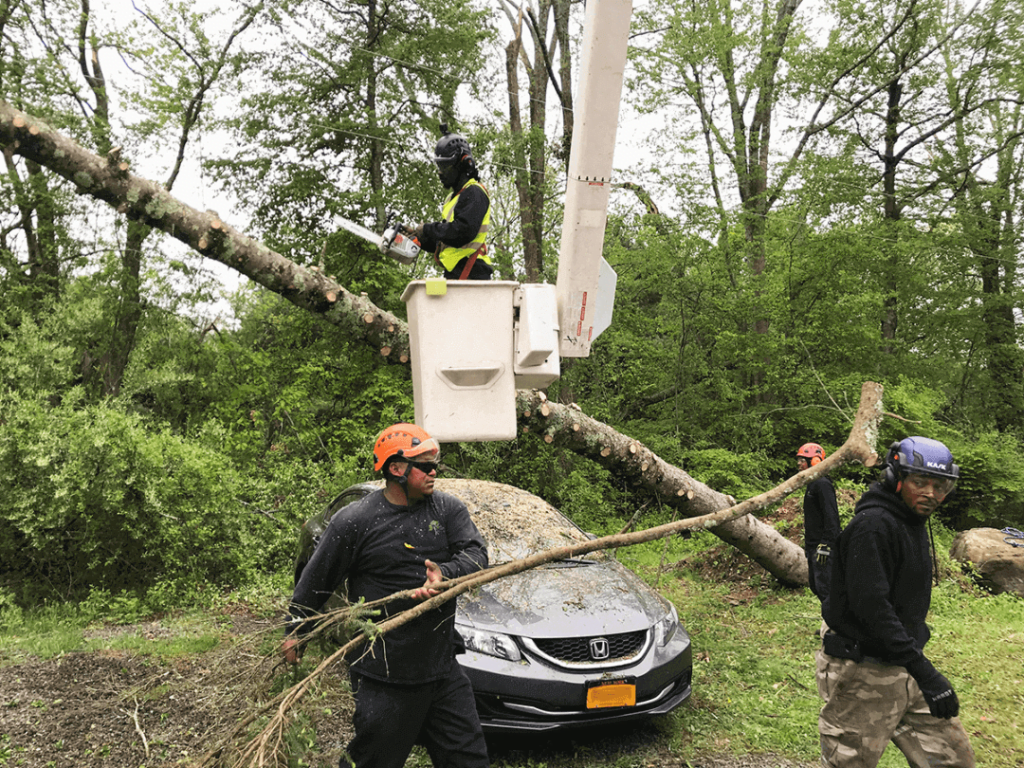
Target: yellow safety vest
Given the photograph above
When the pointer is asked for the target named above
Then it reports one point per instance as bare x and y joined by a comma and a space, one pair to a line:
449, 256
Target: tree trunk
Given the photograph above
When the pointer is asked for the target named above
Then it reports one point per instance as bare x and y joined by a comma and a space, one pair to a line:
44, 268
891, 214
530, 150
527, 216
113, 362
991, 234
38, 225
151, 204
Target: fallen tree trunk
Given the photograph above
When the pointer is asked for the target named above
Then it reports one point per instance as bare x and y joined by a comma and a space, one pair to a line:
108, 179
632, 461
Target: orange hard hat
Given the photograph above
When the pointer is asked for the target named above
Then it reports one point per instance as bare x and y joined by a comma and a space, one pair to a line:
812, 452
403, 441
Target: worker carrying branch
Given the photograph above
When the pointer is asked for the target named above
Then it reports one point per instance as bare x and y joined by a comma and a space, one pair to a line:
459, 240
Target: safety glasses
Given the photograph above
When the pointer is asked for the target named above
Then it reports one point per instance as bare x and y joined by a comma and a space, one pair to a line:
426, 467
942, 486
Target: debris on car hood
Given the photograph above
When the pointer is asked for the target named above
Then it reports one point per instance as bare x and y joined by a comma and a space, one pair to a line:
603, 598
515, 523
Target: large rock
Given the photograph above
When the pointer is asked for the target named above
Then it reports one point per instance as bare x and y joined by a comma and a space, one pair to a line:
999, 565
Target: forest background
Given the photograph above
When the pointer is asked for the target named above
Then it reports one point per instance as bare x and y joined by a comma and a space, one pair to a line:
828, 192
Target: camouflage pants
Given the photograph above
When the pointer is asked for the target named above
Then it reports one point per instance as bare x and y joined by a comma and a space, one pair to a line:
867, 705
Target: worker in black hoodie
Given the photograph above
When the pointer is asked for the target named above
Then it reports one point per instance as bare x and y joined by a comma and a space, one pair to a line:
875, 680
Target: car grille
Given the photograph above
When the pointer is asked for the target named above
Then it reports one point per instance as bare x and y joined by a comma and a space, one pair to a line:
576, 650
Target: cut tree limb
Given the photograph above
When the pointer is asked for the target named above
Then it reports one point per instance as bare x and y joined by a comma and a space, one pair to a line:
632, 461
205, 232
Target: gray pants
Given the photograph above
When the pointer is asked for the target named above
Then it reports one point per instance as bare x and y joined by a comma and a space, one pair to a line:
867, 705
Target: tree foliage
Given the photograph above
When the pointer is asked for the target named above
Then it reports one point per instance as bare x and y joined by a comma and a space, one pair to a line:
822, 203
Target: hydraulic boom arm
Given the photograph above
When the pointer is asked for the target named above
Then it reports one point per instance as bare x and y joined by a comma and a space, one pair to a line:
584, 310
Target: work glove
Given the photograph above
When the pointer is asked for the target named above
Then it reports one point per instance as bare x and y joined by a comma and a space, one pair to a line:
415, 229
938, 693
822, 553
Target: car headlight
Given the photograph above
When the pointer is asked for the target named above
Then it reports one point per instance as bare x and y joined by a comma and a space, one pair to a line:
665, 628
489, 643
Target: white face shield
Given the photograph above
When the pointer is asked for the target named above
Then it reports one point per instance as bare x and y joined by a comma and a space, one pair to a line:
941, 486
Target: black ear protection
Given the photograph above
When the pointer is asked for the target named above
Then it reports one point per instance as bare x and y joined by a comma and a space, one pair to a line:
891, 481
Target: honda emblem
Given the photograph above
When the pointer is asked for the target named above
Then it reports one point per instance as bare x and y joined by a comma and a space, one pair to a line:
599, 648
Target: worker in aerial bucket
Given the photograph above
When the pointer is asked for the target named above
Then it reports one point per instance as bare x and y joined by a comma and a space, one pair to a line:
459, 240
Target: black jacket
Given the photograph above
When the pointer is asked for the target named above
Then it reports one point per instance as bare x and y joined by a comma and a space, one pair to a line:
468, 217
821, 526
821, 515
881, 579
379, 549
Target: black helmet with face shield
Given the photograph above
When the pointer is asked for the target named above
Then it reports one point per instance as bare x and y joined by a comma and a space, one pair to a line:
450, 155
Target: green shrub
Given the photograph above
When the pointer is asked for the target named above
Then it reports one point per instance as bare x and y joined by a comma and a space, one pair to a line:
278, 497
736, 474
92, 497
990, 491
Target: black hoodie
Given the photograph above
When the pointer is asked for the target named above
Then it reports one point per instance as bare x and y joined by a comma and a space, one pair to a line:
468, 217
881, 579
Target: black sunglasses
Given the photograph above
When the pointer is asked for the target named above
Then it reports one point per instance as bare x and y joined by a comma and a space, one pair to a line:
426, 467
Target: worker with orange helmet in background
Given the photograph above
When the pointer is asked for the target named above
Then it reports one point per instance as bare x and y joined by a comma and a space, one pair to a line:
407, 684
821, 520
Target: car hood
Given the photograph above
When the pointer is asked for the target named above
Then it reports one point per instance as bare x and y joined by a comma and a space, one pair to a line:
568, 599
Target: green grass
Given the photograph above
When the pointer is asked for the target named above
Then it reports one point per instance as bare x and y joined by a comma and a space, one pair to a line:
754, 685
190, 624
44, 632
58, 629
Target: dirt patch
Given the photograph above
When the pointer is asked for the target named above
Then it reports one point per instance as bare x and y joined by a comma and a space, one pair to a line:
104, 708
723, 564
127, 709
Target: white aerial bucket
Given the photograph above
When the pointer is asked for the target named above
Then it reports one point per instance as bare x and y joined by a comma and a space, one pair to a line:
461, 348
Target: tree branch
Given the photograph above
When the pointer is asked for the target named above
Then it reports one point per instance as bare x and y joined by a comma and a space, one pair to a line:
150, 203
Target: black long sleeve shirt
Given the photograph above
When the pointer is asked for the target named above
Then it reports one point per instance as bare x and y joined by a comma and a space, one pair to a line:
379, 548
821, 515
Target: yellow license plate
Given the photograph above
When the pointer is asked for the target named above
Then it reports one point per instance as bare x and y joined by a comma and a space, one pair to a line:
613, 693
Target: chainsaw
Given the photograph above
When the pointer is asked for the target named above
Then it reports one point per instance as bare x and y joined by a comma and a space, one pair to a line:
398, 246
